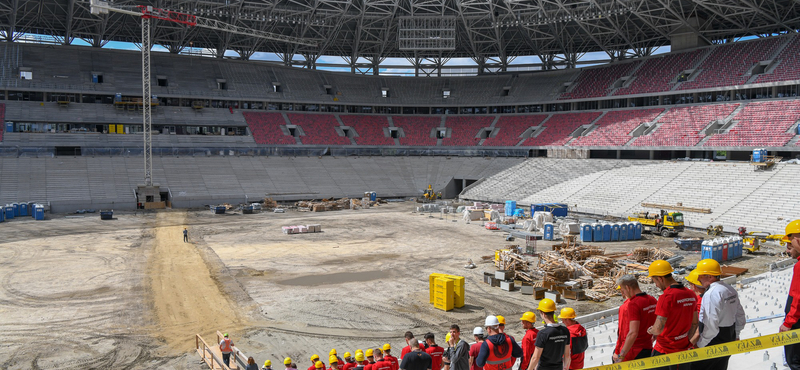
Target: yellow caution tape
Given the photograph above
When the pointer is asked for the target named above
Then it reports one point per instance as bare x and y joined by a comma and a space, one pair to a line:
719, 350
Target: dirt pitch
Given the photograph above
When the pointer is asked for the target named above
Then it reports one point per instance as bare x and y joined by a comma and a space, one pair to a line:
80, 293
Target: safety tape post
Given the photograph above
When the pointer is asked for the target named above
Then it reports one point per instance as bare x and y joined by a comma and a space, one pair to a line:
715, 351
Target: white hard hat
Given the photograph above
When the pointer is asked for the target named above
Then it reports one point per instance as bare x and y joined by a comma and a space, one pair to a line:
477, 331
492, 321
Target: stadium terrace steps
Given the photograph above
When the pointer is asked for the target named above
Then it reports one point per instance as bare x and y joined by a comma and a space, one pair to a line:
83, 182
733, 191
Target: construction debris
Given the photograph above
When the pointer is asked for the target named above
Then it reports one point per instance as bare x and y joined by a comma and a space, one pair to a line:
335, 205
650, 254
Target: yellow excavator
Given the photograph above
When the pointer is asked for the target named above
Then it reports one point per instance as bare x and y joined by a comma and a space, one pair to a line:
429, 194
754, 239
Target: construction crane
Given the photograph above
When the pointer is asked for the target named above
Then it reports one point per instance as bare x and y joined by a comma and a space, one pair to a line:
146, 13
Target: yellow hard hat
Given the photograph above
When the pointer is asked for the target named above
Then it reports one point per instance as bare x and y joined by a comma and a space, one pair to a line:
359, 357
319, 365
287, 361
359, 351
347, 354
387, 347
314, 358
333, 359
693, 278
332, 352
267, 363
792, 228
369, 352
501, 320
659, 268
447, 337
529, 317
708, 266
547, 305
567, 313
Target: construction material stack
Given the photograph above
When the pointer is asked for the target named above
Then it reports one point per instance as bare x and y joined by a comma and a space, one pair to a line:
446, 291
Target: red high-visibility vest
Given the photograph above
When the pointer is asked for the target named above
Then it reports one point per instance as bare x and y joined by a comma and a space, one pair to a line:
225, 346
499, 356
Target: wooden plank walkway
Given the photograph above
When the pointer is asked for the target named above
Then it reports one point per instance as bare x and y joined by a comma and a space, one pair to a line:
211, 355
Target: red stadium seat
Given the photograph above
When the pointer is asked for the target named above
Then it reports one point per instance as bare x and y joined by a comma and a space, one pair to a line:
727, 64
681, 126
511, 127
266, 128
559, 128
596, 82
319, 129
463, 130
369, 129
614, 129
417, 129
761, 124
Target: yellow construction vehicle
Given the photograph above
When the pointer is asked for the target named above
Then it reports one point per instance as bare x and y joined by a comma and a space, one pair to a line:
664, 223
754, 239
429, 194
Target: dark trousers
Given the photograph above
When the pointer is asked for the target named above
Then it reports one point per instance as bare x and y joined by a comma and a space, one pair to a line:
185, 238
226, 358
725, 335
792, 352
671, 367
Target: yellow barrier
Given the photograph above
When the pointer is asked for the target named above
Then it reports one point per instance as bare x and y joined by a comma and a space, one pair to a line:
444, 295
719, 350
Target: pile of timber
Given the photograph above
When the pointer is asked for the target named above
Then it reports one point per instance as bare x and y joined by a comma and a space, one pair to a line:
509, 259
269, 204
581, 253
600, 265
332, 204
644, 254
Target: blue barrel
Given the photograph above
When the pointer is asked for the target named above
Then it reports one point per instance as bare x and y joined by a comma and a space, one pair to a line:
23, 209
598, 232
9, 211
586, 232
623, 231
614, 232
38, 212
548, 231
606, 232
373, 196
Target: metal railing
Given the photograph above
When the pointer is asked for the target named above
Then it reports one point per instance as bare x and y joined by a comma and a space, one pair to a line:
208, 356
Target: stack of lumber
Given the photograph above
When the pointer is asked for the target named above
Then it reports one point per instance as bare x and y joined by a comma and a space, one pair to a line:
600, 266
332, 204
644, 254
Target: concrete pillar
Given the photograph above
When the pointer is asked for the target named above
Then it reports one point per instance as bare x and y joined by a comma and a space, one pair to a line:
652, 155
619, 154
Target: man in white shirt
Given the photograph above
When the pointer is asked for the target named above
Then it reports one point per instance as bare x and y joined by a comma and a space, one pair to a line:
721, 316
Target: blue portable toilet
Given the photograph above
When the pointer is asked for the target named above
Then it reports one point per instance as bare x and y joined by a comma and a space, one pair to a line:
548, 231
717, 250
9, 127
637, 226
598, 232
623, 231
756, 155
705, 250
614, 232
586, 232
15, 206
9, 211
2, 214
373, 196
38, 212
631, 231
606, 232
23, 209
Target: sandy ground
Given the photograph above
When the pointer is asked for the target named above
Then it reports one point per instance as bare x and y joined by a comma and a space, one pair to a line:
128, 293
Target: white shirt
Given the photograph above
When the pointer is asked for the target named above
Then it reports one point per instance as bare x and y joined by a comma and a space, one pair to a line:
720, 308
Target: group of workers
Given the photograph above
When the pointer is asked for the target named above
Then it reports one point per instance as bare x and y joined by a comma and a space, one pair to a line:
707, 312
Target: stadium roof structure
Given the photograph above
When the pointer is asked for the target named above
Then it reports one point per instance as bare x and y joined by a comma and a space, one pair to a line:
559, 32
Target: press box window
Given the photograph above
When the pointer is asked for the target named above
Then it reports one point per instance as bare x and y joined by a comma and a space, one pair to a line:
384, 92
222, 84
97, 78
445, 94
162, 81
25, 75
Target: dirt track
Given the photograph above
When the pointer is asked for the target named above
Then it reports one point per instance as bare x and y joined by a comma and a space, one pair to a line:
84, 293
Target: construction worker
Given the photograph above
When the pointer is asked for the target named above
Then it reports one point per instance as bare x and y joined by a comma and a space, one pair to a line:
499, 351
226, 347
552, 343
287, 362
363, 360
333, 353
696, 287
334, 362
314, 360
387, 356
460, 357
578, 341
185, 235
529, 340
792, 309
636, 314
417, 359
676, 316
348, 361
319, 365
380, 361
722, 317
267, 365
433, 350
360, 360
370, 359
502, 321
475, 348
448, 352
409, 336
